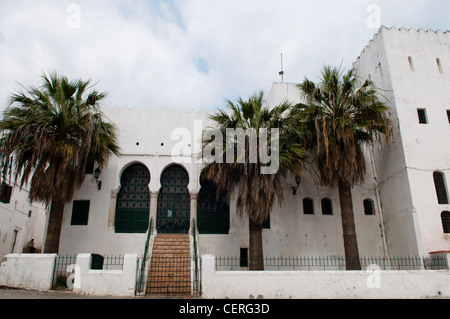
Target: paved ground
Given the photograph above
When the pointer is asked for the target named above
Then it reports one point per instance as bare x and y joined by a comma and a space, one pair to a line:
9, 293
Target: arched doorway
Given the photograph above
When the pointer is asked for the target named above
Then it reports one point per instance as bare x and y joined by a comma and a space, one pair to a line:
133, 200
174, 202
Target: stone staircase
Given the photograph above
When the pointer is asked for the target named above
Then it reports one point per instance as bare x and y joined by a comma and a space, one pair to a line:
170, 266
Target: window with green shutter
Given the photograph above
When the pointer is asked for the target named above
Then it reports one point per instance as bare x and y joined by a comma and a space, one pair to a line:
80, 212
133, 200
213, 214
5, 193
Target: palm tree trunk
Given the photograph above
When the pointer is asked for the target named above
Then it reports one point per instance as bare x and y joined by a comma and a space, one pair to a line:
256, 261
54, 228
348, 227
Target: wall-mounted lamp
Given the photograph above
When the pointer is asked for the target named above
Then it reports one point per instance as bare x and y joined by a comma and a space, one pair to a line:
297, 180
96, 176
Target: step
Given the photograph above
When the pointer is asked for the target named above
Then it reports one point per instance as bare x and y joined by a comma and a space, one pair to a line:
170, 266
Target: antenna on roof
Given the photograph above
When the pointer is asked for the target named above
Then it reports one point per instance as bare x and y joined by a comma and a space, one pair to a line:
282, 71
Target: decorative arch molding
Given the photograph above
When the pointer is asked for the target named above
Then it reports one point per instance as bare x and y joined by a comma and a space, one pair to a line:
132, 211
173, 214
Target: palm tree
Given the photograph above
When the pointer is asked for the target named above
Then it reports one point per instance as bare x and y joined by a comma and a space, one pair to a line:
49, 134
340, 116
256, 191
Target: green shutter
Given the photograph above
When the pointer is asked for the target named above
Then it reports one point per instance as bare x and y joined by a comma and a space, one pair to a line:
131, 221
213, 222
80, 212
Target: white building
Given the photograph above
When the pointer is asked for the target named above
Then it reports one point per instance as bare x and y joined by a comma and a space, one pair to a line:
145, 138
397, 212
412, 68
402, 215
20, 221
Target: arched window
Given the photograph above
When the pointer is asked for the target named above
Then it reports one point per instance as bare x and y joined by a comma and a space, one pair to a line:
174, 208
327, 207
308, 206
445, 217
369, 208
441, 189
213, 214
133, 200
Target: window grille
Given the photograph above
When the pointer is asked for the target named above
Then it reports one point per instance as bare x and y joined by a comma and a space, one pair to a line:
327, 207
441, 189
308, 206
174, 201
133, 200
369, 208
445, 217
422, 113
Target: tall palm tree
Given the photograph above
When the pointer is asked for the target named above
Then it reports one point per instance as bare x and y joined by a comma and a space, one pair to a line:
256, 191
49, 134
340, 116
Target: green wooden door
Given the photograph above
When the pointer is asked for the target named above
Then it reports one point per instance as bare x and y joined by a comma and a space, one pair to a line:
174, 201
133, 201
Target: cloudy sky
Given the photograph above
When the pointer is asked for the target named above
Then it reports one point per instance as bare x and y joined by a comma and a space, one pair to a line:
192, 53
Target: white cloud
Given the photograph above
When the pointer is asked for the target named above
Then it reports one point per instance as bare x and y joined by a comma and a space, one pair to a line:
189, 53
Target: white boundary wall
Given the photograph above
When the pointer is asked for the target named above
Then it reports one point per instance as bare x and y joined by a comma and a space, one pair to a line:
35, 272
30, 271
370, 284
105, 282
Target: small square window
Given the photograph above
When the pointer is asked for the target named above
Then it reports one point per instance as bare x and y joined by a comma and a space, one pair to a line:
266, 224
243, 260
5, 193
369, 208
80, 213
308, 206
422, 113
327, 207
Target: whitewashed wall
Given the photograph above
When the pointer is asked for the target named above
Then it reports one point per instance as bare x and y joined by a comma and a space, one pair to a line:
15, 216
368, 284
30, 271
413, 222
291, 233
119, 283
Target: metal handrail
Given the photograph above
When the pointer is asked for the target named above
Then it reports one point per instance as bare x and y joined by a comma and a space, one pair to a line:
144, 257
194, 233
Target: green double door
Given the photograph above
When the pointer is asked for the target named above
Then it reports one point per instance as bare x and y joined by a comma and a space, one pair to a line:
173, 216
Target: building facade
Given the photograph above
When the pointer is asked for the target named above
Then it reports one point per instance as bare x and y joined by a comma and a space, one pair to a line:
412, 70
158, 177
20, 221
401, 209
